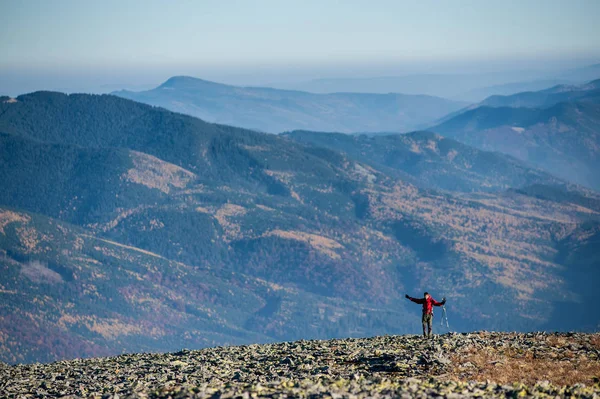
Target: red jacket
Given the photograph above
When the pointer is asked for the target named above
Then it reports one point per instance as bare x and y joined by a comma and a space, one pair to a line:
428, 303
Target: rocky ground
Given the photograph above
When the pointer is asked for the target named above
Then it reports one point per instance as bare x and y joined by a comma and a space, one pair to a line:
452, 365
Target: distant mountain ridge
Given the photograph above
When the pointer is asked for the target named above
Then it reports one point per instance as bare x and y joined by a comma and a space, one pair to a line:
588, 92
506, 89
470, 87
444, 85
274, 110
557, 129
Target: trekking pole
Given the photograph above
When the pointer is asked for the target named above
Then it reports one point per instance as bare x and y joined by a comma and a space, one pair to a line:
444, 316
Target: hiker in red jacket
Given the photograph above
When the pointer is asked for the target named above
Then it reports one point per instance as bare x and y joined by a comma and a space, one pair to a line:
428, 303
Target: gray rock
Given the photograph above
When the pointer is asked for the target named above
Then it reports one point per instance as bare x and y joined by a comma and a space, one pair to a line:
379, 367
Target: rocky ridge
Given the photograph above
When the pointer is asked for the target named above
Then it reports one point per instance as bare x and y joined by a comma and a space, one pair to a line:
449, 365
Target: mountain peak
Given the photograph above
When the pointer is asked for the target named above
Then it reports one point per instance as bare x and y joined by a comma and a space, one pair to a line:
188, 82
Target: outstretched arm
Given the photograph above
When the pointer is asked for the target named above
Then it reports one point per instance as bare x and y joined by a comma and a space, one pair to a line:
416, 300
436, 303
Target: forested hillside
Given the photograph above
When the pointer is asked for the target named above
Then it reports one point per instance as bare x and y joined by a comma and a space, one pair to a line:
125, 227
563, 139
432, 161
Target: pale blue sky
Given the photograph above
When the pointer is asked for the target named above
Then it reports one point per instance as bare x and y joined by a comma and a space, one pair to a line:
240, 36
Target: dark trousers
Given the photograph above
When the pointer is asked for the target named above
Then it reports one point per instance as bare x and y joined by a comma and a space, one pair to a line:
427, 321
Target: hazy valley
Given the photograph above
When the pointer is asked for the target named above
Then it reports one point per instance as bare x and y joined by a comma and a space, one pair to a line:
274, 110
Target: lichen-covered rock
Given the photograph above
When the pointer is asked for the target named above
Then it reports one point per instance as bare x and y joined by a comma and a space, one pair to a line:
383, 367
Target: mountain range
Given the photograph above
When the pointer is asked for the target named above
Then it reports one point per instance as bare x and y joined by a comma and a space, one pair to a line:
588, 92
554, 129
274, 111
557, 130
471, 87
126, 227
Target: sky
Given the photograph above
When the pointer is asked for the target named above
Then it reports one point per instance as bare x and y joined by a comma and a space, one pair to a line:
141, 42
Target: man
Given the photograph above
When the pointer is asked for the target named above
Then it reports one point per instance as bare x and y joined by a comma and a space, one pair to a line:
428, 303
